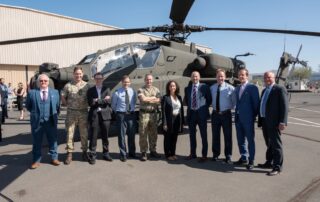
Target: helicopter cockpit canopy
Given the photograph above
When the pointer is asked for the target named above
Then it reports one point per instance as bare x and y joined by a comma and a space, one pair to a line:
143, 55
146, 55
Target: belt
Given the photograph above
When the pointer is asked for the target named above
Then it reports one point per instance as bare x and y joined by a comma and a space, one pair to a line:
221, 112
118, 112
147, 111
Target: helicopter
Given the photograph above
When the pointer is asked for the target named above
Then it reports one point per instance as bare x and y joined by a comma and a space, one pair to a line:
169, 59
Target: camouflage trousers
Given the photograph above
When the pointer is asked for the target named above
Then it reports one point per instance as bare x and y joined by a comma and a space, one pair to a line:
148, 130
74, 119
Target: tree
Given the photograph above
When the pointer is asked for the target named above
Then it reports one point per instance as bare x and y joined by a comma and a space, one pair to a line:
301, 73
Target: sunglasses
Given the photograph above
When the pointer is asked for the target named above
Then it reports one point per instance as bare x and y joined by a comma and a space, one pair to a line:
44, 81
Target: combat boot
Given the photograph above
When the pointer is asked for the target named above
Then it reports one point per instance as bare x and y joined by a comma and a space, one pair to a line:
154, 154
68, 158
144, 156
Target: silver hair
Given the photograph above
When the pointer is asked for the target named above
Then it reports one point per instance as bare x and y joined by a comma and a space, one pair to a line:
40, 76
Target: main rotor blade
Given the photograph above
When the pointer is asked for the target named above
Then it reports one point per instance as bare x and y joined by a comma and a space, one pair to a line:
294, 32
76, 35
180, 10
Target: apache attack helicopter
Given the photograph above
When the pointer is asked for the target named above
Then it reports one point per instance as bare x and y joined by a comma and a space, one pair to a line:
168, 59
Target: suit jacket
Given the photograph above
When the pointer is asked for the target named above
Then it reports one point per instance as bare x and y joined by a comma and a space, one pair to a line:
166, 109
105, 106
247, 107
276, 107
204, 96
33, 106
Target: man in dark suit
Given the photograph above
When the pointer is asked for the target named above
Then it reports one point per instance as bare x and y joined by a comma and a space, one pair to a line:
99, 118
247, 105
273, 119
43, 105
198, 98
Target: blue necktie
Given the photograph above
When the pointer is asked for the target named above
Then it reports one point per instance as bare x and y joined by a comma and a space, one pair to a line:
264, 102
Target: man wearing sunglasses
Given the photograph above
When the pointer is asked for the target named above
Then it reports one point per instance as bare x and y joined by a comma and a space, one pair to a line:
43, 105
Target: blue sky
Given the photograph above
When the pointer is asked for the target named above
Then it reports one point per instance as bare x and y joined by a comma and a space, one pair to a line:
278, 14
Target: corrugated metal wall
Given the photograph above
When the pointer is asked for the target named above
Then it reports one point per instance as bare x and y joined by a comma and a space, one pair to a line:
16, 73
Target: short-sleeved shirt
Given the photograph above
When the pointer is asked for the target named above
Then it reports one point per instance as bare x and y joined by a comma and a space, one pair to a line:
149, 92
76, 95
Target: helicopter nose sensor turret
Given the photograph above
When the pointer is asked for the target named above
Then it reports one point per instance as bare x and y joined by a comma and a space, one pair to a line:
199, 63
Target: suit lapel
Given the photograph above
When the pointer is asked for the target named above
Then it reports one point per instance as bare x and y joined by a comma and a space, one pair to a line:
38, 98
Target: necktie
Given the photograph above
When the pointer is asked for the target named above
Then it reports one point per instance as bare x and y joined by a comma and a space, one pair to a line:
127, 102
44, 95
218, 98
194, 97
241, 91
264, 102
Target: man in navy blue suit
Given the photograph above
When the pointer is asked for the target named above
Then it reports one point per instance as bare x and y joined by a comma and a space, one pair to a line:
43, 105
247, 105
198, 98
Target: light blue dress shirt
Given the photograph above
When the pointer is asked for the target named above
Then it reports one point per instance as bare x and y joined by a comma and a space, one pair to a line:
118, 102
227, 98
264, 100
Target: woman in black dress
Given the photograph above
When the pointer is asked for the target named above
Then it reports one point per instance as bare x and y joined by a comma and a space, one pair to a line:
172, 118
19, 93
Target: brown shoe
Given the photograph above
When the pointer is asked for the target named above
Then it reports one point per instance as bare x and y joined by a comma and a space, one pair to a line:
55, 162
34, 165
202, 159
68, 158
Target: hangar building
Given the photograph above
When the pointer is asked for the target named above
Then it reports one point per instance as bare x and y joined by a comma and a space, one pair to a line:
19, 61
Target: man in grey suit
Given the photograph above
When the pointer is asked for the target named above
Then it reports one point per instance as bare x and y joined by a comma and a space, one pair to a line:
273, 119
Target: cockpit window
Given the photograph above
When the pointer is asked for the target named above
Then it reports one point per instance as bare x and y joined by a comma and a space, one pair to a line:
112, 60
146, 54
87, 59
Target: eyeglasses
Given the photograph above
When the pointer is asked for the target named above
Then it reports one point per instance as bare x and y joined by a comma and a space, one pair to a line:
43, 81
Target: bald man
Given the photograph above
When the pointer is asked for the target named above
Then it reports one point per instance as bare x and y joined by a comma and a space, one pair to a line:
273, 119
198, 98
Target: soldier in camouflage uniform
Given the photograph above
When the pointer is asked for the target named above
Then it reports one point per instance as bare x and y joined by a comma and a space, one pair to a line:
74, 96
149, 97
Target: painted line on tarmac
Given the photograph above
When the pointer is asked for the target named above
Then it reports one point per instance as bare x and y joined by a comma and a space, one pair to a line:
6, 198
301, 137
309, 110
305, 121
305, 194
302, 124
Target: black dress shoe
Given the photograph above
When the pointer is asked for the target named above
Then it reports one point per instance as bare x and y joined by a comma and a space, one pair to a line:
241, 162
132, 156
250, 165
228, 161
215, 158
92, 161
154, 154
274, 172
107, 157
123, 158
265, 165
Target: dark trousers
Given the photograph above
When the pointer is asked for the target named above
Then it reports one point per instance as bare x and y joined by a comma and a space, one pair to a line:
272, 138
99, 126
171, 136
50, 130
223, 121
4, 112
245, 131
196, 118
127, 124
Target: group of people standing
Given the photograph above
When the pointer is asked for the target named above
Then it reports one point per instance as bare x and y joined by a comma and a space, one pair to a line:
44, 106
